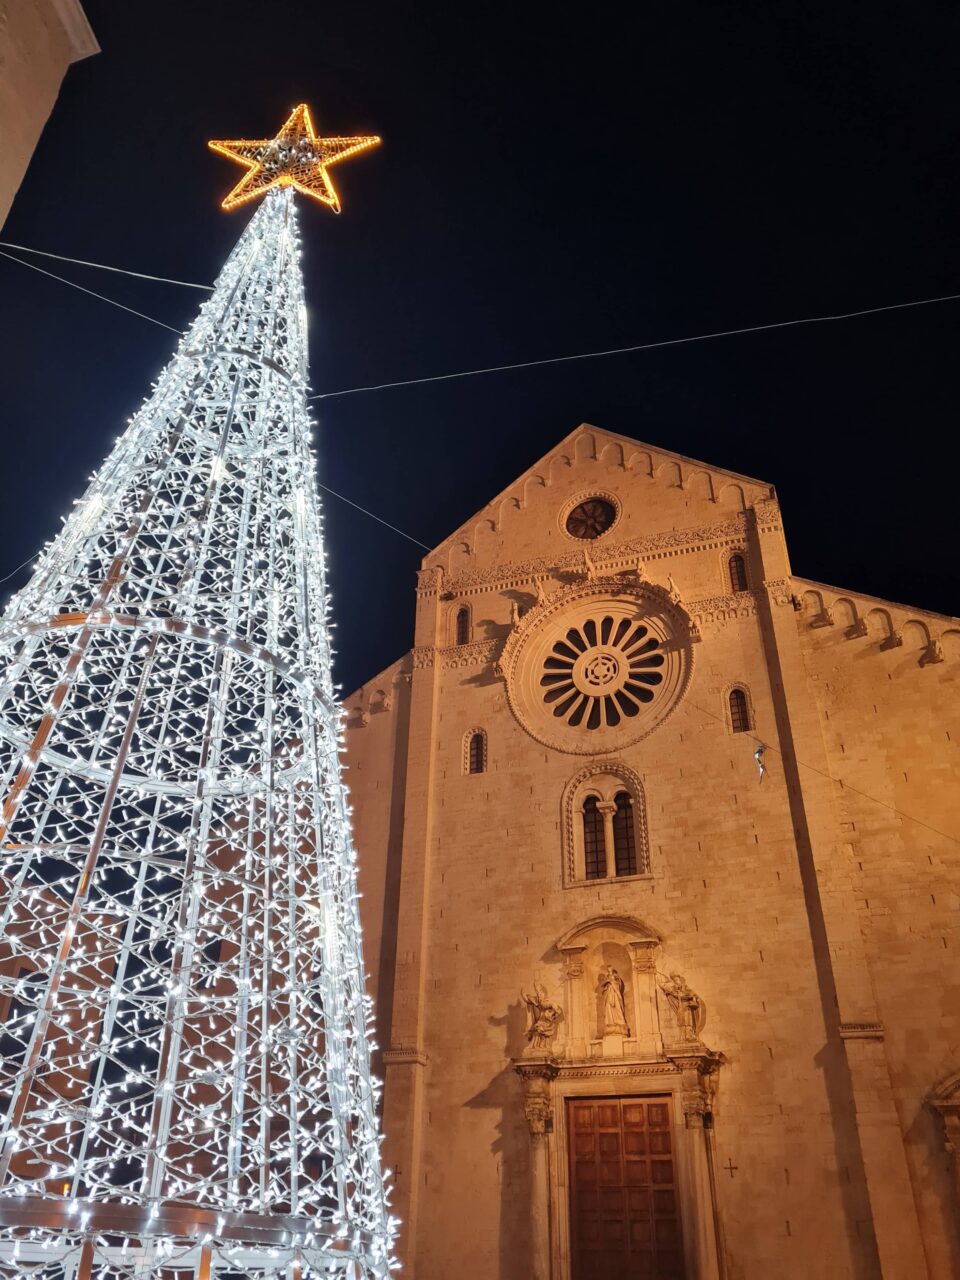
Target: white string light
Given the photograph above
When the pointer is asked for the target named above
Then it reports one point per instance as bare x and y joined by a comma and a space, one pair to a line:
186, 1063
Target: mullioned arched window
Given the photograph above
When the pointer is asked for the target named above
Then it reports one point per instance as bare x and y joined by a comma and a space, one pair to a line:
604, 827
624, 836
594, 845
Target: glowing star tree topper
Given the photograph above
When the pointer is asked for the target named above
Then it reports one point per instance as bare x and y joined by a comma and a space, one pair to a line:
296, 158
185, 1086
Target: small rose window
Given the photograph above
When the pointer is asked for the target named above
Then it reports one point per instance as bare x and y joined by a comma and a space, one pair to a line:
591, 518
603, 670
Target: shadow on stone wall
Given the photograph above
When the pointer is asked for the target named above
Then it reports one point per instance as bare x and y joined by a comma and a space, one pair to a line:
511, 1148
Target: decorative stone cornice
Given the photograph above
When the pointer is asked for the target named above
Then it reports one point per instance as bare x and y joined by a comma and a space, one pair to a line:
861, 1030
423, 656
404, 1057
717, 611
780, 590
607, 560
767, 511
479, 653
597, 1068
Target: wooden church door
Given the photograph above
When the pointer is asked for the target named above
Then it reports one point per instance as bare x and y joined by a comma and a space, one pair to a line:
625, 1218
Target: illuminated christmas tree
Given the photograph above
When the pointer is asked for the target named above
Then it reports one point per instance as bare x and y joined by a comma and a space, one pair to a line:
184, 1071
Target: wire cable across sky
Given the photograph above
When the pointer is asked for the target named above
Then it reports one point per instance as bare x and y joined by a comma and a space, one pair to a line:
525, 364
496, 368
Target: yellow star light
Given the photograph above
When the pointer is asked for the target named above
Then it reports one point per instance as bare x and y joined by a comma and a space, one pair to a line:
296, 158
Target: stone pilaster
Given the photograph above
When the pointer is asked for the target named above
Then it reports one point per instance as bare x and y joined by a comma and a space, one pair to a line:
537, 1072
857, 1070
643, 961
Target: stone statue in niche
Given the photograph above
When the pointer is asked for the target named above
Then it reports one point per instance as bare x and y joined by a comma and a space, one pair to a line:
612, 1010
688, 1008
544, 1017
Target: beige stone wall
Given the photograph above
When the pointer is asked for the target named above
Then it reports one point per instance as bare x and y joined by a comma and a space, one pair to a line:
38, 41
754, 890
890, 718
376, 718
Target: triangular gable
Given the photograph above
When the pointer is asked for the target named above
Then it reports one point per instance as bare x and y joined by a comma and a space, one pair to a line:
569, 462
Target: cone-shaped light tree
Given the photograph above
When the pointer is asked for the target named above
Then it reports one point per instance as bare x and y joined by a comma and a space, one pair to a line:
184, 1069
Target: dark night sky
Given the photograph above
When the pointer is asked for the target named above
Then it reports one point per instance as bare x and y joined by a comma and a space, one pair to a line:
547, 185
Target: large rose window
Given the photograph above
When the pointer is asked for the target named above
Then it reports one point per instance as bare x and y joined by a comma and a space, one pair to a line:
591, 670
602, 670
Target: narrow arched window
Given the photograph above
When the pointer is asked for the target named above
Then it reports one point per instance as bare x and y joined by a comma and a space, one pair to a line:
739, 711
594, 846
738, 573
624, 838
463, 626
477, 754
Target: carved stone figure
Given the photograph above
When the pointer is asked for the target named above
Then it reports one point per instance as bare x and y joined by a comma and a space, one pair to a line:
686, 1005
540, 585
544, 1017
673, 590
514, 612
613, 1012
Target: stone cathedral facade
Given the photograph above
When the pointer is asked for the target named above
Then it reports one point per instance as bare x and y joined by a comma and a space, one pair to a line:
660, 868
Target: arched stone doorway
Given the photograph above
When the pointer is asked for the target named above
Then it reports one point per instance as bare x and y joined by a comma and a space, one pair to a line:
619, 1098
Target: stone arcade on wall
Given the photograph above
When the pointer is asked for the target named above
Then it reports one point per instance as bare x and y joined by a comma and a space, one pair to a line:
648, 1009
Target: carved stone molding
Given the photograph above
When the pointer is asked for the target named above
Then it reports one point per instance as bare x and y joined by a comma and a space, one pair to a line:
477, 653
536, 1074
423, 657
643, 955
932, 654
780, 590
573, 962
403, 1057
607, 559
717, 611
698, 1067
597, 1069
767, 512
861, 1030
430, 580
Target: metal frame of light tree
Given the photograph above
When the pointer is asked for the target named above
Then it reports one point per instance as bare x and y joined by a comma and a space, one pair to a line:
185, 1059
